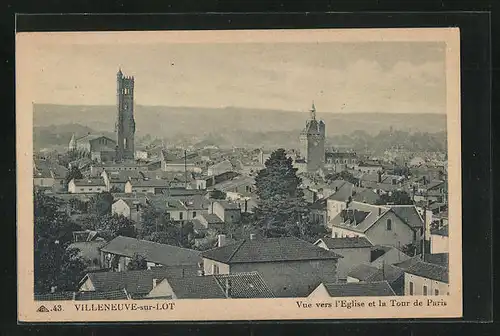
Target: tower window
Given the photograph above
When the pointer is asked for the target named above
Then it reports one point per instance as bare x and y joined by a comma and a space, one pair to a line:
388, 224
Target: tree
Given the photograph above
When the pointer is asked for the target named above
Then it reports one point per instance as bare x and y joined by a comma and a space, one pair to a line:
137, 262
281, 209
111, 226
54, 264
218, 194
397, 197
73, 173
100, 204
158, 227
410, 249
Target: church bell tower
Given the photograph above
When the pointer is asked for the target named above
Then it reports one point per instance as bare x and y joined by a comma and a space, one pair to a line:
312, 140
125, 123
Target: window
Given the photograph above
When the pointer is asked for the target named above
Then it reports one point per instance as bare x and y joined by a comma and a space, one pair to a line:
98, 189
425, 290
336, 234
436, 292
181, 215
194, 214
90, 189
411, 288
388, 224
81, 189
215, 269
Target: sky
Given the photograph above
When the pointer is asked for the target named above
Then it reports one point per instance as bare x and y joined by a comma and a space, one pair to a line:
340, 77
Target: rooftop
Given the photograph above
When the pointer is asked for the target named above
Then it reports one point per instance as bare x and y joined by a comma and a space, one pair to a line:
381, 288
348, 242
429, 271
89, 182
269, 250
163, 254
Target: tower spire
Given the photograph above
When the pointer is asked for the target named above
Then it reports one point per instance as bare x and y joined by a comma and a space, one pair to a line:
313, 111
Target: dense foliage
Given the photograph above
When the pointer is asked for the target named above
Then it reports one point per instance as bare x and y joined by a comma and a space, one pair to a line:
137, 262
54, 264
281, 209
158, 227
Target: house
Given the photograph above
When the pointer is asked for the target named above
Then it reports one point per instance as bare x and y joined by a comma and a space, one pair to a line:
354, 251
119, 294
220, 168
228, 212
424, 278
89, 186
341, 160
49, 175
368, 167
387, 255
97, 169
137, 283
354, 289
439, 240
318, 213
209, 221
101, 148
238, 187
180, 208
282, 262
221, 286
129, 208
154, 186
118, 252
366, 273
381, 225
172, 163
117, 179
89, 251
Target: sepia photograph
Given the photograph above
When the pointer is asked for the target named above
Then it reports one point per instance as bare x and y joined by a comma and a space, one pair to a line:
253, 175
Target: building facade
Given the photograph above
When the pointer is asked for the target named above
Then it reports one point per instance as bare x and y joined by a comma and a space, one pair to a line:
125, 124
312, 140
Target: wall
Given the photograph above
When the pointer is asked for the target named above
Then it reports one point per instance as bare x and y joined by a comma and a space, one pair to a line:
391, 257
319, 216
179, 167
401, 234
419, 282
43, 181
352, 258
343, 233
333, 208
208, 267
162, 289
74, 189
439, 244
87, 286
320, 292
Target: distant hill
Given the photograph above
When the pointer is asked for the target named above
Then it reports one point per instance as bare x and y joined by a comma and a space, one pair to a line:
222, 126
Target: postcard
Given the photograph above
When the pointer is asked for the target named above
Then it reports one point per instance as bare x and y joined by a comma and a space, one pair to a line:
238, 175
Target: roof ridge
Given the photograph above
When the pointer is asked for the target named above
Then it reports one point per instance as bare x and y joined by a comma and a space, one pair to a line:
236, 250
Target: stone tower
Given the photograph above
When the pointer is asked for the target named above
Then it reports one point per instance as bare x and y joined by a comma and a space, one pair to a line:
125, 124
312, 140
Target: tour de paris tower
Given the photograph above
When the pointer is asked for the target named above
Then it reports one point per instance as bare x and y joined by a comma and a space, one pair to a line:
125, 124
312, 140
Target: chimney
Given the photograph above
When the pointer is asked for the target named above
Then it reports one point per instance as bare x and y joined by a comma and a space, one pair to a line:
379, 211
228, 288
379, 176
252, 236
155, 282
221, 240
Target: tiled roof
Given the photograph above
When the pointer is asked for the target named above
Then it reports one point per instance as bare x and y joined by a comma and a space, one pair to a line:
362, 272
388, 273
136, 282
371, 218
441, 259
90, 182
348, 242
163, 254
381, 288
228, 205
343, 192
429, 271
55, 296
122, 176
245, 285
196, 287
119, 294
212, 218
409, 214
234, 183
153, 183
269, 250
